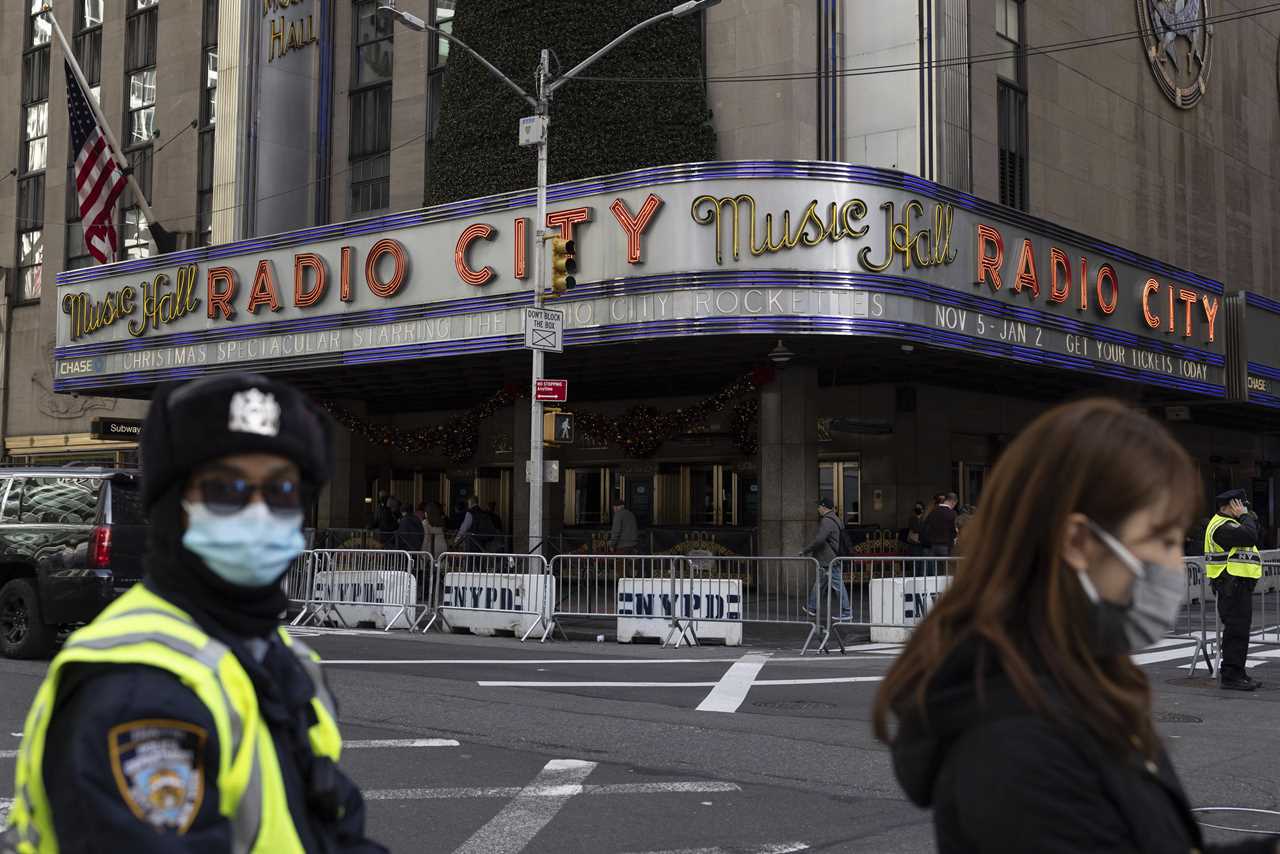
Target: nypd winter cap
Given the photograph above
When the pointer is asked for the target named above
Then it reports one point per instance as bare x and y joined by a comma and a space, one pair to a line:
194, 423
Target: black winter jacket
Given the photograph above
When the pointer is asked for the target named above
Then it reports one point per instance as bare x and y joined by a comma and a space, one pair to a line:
1002, 779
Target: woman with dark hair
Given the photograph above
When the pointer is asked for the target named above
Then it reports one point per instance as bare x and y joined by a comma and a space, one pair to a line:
1020, 716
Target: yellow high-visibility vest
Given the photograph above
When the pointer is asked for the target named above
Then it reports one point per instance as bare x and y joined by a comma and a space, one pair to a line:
143, 628
1240, 561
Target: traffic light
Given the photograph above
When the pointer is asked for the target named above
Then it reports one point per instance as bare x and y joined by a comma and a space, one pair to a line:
557, 427
563, 265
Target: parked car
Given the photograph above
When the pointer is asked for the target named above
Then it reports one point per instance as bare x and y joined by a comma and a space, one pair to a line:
71, 540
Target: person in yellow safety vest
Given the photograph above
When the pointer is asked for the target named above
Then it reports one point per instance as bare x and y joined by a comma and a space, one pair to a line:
183, 718
1234, 566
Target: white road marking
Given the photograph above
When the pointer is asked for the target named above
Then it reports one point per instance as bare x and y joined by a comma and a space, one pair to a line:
8, 754
732, 689
511, 831
510, 684
833, 680
1162, 655
776, 848
679, 787
540, 661
5, 803
399, 742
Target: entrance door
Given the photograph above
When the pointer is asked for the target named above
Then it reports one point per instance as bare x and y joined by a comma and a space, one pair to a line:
639, 498
841, 482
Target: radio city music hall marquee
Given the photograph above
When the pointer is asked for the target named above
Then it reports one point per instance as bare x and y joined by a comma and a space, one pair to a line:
775, 254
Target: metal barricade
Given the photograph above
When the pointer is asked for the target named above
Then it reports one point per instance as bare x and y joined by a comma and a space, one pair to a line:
718, 594
1265, 625
372, 583
426, 591
473, 584
633, 587
1195, 618
297, 584
887, 595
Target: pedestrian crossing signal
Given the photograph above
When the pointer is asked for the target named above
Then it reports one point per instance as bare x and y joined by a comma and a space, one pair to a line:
557, 427
563, 265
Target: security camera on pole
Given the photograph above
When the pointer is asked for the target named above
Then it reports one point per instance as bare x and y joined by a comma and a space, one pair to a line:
533, 131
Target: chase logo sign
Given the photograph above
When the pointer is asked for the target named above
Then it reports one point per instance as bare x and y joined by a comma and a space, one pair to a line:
79, 367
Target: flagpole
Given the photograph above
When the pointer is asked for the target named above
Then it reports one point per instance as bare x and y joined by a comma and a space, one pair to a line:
103, 125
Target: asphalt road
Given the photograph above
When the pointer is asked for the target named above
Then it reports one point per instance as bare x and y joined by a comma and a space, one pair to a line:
487, 746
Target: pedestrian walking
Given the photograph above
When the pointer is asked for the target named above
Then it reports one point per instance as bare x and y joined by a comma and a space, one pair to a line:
827, 545
410, 533
184, 718
1021, 718
388, 521
476, 529
434, 523
915, 531
940, 526
624, 532
1233, 565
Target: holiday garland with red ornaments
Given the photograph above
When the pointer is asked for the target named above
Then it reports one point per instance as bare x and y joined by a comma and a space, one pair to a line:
638, 432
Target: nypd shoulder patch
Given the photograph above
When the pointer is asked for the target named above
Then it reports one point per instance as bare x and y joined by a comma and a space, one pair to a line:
159, 768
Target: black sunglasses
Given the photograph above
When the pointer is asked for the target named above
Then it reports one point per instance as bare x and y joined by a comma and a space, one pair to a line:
227, 495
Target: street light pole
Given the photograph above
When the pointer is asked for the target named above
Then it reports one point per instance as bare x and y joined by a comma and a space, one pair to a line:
536, 437
545, 87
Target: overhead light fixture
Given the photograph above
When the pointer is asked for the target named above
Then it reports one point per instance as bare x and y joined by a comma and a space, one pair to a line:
692, 6
908, 348
780, 355
409, 19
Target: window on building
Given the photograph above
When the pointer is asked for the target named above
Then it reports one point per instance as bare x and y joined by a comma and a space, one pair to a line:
370, 142
34, 152
1011, 103
30, 263
134, 235
208, 118
142, 106
35, 135
87, 41
442, 12
140, 120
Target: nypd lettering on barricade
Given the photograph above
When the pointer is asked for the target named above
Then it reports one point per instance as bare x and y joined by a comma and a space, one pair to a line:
899, 603
646, 607
485, 602
381, 599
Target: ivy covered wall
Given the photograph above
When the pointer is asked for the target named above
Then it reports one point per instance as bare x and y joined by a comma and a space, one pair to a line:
596, 127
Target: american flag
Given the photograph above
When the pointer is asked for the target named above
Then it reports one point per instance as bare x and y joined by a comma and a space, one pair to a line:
99, 179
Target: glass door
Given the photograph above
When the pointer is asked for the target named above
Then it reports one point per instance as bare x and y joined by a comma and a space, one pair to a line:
841, 482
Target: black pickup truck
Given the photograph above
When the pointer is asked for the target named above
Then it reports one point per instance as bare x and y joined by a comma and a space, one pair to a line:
71, 540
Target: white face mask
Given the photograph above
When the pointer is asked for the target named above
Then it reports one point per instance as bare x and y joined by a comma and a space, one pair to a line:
1158, 594
251, 547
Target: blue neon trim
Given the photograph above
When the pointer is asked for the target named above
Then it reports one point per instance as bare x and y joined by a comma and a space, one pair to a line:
657, 329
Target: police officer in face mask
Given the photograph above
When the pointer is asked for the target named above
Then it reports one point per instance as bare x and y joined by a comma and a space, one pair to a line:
1234, 566
184, 718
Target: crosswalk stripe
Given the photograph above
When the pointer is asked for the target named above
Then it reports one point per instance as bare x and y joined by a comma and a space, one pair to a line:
398, 742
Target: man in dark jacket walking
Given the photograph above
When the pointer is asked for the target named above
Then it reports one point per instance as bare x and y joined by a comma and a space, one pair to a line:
410, 533
940, 527
826, 547
624, 533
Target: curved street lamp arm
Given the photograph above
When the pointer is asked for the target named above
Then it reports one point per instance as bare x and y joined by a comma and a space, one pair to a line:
590, 60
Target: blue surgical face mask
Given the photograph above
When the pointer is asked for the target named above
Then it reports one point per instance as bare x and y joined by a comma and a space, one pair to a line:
249, 548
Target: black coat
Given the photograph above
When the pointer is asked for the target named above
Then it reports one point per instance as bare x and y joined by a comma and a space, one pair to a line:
1001, 778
